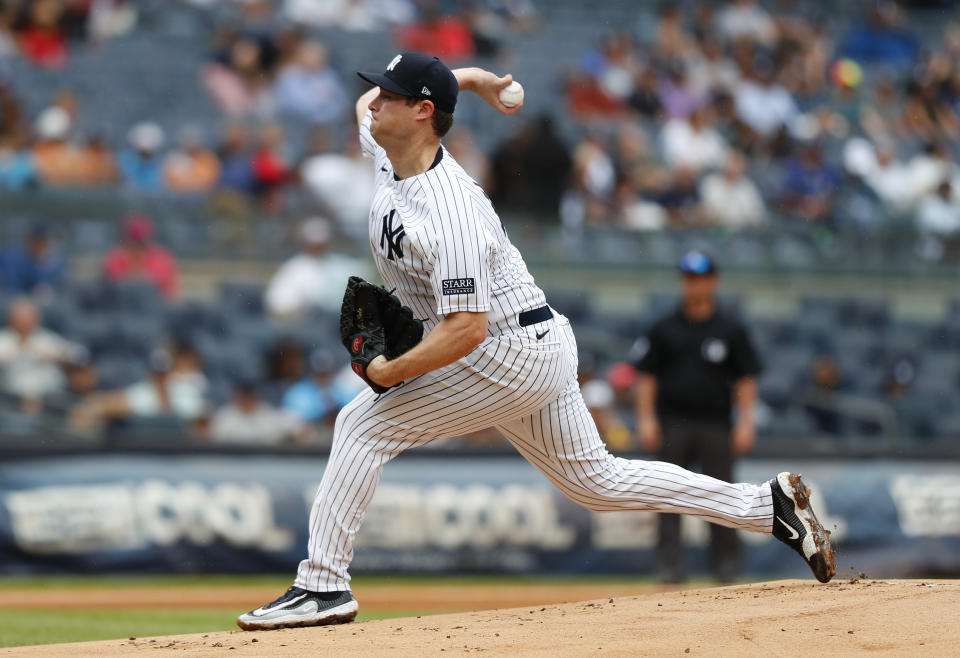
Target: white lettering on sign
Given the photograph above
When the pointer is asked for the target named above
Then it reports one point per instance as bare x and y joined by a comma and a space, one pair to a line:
450, 517
74, 519
927, 505
88, 518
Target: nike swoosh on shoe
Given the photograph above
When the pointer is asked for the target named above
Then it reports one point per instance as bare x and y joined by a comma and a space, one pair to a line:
259, 612
793, 531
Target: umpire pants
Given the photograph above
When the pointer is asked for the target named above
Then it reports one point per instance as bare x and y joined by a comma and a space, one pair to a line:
706, 445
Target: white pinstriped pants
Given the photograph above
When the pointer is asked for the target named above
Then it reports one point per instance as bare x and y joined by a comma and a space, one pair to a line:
528, 390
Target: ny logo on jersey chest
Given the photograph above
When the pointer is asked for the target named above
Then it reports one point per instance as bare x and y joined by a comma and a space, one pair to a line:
391, 236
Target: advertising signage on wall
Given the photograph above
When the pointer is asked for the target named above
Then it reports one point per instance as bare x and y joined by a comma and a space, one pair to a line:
232, 513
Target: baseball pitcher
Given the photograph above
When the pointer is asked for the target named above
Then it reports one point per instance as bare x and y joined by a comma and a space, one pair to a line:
493, 353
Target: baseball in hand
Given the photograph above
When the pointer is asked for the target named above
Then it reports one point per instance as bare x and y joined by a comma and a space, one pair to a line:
512, 94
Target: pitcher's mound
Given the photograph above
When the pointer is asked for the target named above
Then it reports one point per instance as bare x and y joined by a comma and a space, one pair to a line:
778, 618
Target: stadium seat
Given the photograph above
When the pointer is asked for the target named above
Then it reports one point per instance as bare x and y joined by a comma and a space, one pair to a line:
796, 360
816, 327
854, 343
91, 235
256, 333
324, 322
56, 315
658, 304
93, 331
821, 306
628, 327
793, 424
14, 424
747, 251
795, 252
953, 308
866, 380
938, 374
146, 430
138, 334
947, 426
133, 297
242, 297
233, 360
88, 296
864, 312
117, 372
777, 386
917, 416
188, 320
905, 338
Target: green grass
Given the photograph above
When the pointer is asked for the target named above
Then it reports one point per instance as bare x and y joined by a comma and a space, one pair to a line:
283, 581
21, 627
136, 582
26, 627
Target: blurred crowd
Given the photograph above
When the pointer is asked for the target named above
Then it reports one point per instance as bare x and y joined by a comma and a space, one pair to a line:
45, 31
260, 363
263, 73
738, 115
48, 378
249, 164
741, 113
288, 390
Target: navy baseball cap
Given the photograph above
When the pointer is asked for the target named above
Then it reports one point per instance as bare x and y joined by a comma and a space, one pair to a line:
418, 76
697, 262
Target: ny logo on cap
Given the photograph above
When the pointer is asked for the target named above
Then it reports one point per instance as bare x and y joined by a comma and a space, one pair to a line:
393, 63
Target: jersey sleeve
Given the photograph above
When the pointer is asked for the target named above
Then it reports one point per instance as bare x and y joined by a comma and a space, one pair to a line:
647, 353
368, 146
464, 252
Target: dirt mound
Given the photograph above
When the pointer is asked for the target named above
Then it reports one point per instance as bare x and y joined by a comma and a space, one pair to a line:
782, 618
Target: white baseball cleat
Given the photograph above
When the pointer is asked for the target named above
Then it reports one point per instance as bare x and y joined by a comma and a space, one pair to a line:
795, 524
300, 607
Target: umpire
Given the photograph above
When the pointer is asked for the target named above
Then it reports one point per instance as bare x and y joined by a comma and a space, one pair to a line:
696, 364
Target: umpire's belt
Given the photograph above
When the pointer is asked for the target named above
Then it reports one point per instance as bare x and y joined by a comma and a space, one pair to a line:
534, 316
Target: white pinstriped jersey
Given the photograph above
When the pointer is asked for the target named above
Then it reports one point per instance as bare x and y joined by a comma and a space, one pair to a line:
437, 240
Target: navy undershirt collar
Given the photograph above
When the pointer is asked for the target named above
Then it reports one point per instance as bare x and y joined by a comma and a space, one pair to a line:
436, 161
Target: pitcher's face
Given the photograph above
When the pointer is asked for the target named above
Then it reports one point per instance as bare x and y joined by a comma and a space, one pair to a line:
392, 117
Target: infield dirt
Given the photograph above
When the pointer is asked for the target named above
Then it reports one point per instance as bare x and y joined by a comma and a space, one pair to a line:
781, 618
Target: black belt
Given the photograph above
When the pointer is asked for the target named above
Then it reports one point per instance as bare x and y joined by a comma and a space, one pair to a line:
536, 315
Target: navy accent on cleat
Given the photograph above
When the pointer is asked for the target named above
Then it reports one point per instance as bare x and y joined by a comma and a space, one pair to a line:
795, 524
300, 607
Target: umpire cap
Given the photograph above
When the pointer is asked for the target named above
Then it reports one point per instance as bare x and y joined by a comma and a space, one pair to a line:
697, 263
418, 76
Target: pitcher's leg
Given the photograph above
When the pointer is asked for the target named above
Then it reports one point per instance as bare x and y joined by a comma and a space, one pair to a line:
561, 440
371, 430
360, 450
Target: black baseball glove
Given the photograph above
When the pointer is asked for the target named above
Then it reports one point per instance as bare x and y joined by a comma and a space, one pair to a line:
374, 322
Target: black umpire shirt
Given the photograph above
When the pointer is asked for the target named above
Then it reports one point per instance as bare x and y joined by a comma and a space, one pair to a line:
695, 364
